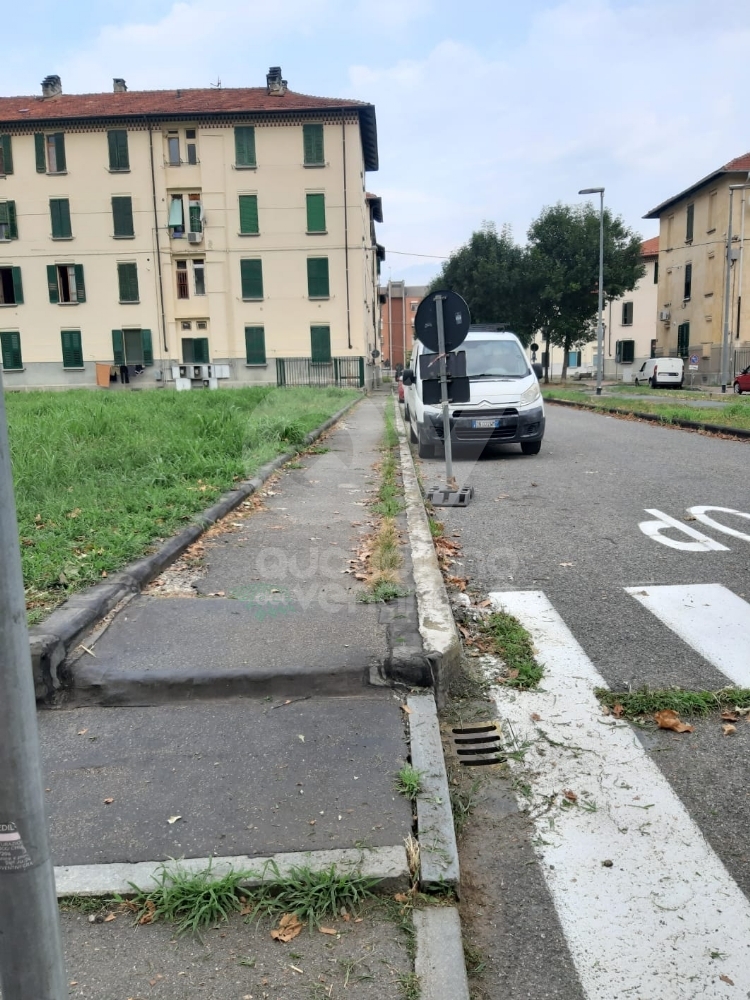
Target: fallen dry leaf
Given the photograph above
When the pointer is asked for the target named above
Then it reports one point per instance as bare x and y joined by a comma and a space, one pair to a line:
108, 802
347, 917
512, 674
327, 930
535, 717
289, 927
729, 716
570, 795
401, 897
485, 604
728, 729
726, 979
669, 719
82, 732
405, 708
110, 918
173, 819
617, 710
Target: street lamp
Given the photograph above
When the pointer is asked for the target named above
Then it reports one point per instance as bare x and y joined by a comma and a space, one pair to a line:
726, 337
599, 326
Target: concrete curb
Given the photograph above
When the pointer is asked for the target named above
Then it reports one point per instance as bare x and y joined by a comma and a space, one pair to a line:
438, 851
436, 624
439, 961
692, 425
51, 641
388, 864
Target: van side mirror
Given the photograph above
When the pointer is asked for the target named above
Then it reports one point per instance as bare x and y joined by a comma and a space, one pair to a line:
407, 376
537, 369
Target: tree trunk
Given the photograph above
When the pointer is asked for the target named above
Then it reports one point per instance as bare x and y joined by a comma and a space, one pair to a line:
546, 357
566, 352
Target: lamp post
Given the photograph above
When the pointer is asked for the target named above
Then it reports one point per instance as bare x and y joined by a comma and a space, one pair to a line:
726, 337
599, 326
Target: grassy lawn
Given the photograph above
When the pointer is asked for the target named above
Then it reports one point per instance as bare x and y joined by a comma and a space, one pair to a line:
99, 477
736, 413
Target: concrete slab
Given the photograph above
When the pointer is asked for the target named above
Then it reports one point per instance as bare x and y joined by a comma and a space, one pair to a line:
247, 777
439, 962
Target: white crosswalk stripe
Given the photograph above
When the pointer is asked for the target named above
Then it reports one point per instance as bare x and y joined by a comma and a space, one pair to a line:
664, 920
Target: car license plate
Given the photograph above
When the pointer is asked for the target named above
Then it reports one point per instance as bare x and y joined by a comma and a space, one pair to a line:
477, 424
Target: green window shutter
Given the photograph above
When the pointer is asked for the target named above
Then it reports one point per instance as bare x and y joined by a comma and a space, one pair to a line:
59, 209
17, 286
10, 342
72, 351
118, 347
60, 152
80, 287
52, 285
251, 272
248, 213
320, 342
122, 216
628, 351
316, 213
4, 216
148, 347
313, 144
12, 220
118, 149
41, 154
683, 340
127, 276
244, 146
255, 345
196, 226
6, 149
200, 351
689, 223
317, 278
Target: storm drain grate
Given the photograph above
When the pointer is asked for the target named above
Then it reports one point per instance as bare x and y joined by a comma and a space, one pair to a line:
478, 746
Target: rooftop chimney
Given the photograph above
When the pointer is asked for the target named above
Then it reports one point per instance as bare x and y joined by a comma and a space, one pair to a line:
276, 85
118, 85
51, 86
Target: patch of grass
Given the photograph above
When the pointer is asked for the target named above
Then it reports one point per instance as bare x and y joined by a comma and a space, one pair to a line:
474, 960
84, 904
382, 592
646, 701
512, 643
437, 529
100, 476
312, 895
409, 986
191, 900
463, 803
409, 782
735, 415
316, 449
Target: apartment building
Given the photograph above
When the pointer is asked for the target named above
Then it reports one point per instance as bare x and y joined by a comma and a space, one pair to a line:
692, 271
150, 229
398, 307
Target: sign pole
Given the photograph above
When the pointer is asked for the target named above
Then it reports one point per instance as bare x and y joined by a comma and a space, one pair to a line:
31, 961
444, 392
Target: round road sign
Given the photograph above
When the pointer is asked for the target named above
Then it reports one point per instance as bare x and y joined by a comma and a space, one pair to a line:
456, 320
694, 359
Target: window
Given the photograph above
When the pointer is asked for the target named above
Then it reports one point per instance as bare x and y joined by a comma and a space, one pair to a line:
683, 340
690, 219
11, 289
176, 221
195, 351
255, 345
653, 349
122, 217
313, 145
320, 345
183, 291
316, 213
190, 145
65, 283
10, 342
656, 271
688, 281
117, 140
712, 211
414, 306
627, 314
50, 153
625, 352
59, 210
244, 146
72, 351
317, 277
199, 277
8, 221
574, 359
249, 214
173, 149
132, 347
127, 278
251, 274
6, 155
195, 213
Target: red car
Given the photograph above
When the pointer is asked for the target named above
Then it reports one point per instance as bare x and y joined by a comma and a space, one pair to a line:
401, 388
742, 381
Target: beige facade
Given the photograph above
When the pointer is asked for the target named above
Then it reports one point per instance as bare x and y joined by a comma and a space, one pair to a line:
173, 286
692, 271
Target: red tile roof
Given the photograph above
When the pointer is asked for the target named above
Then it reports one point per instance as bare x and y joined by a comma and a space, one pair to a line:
650, 248
739, 165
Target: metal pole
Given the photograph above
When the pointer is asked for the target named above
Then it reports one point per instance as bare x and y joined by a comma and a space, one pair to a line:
444, 392
31, 961
725, 337
600, 328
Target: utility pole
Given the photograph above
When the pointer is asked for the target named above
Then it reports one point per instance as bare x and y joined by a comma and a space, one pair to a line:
599, 325
31, 962
726, 339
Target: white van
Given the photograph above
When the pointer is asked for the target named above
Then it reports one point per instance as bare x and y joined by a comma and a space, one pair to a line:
506, 403
661, 371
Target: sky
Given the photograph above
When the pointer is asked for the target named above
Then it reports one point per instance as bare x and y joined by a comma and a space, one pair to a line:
487, 110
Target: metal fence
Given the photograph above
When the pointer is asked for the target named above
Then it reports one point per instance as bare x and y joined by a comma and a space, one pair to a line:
741, 360
348, 372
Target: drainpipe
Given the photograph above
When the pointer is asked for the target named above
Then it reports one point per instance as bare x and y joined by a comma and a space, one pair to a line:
346, 237
158, 247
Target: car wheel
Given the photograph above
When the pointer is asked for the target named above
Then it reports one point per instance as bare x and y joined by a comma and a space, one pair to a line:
424, 450
637, 382
406, 411
412, 435
738, 388
531, 447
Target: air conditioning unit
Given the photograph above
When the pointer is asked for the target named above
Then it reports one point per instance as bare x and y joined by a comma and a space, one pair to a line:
665, 315
195, 237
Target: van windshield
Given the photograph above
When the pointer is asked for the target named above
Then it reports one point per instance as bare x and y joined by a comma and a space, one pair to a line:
493, 359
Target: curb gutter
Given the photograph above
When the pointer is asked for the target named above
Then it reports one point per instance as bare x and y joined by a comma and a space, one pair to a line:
436, 624
692, 425
439, 961
51, 641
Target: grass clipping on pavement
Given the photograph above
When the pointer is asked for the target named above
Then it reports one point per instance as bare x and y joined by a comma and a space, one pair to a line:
99, 477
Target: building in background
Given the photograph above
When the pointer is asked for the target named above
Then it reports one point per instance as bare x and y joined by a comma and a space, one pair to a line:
145, 230
398, 307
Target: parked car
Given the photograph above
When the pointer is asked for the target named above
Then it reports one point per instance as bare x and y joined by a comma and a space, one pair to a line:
742, 381
506, 403
661, 371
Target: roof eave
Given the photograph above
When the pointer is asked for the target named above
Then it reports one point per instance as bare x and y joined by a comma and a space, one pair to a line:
655, 213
